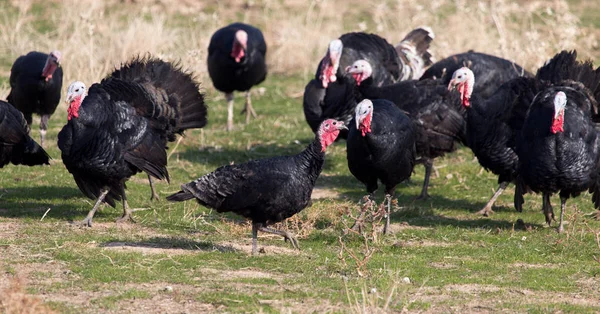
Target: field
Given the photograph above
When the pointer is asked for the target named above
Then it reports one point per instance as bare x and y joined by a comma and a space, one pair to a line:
183, 258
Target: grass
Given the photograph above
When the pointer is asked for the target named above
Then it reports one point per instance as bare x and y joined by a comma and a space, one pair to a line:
456, 261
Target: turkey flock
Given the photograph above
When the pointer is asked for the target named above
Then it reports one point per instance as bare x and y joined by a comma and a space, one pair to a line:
393, 105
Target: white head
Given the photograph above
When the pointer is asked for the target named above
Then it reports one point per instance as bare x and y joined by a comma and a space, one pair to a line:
360, 70
464, 80
75, 95
363, 114
331, 62
560, 103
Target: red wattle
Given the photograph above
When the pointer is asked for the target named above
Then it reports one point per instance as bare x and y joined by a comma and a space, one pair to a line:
328, 138
365, 125
558, 124
73, 110
237, 52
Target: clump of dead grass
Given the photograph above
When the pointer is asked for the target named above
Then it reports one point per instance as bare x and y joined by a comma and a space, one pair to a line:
14, 300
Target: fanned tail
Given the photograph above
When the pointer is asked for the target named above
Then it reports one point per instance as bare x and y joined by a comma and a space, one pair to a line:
174, 93
414, 53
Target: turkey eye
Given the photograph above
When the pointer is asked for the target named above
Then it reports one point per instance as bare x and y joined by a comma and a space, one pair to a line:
334, 123
77, 90
326, 125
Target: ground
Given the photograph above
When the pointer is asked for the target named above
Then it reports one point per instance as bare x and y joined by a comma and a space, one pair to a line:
183, 258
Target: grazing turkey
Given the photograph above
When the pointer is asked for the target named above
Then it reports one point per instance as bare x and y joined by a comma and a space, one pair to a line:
558, 148
494, 123
437, 113
490, 71
36, 82
122, 126
236, 62
16, 146
266, 191
324, 95
381, 146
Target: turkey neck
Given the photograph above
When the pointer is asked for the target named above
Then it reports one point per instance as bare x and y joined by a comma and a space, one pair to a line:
311, 159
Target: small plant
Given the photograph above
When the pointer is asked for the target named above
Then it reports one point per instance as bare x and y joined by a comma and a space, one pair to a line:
366, 226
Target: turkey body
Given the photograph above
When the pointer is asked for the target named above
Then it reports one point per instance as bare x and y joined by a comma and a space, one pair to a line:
123, 125
237, 63
266, 191
563, 159
31, 92
491, 71
16, 146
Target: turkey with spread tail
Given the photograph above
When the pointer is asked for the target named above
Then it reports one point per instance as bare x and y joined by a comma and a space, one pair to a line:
121, 126
265, 191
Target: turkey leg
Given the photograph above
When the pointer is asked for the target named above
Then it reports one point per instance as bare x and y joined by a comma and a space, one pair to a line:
487, 210
563, 205
428, 164
154, 196
43, 128
547, 208
87, 222
126, 217
248, 108
229, 97
388, 198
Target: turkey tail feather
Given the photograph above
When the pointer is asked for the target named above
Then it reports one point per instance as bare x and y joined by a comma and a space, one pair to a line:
414, 53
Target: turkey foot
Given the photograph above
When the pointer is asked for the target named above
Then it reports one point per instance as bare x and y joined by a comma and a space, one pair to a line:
286, 235
126, 217
563, 205
87, 222
487, 210
248, 108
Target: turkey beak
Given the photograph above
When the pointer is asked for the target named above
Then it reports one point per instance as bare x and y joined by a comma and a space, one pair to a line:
452, 84
341, 126
69, 98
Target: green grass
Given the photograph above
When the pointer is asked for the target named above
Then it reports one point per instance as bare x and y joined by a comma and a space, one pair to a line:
456, 260
445, 244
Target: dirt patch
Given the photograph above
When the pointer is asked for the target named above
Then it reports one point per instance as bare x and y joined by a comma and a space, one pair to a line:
537, 266
441, 265
324, 193
165, 303
9, 230
239, 273
145, 248
399, 227
264, 249
13, 299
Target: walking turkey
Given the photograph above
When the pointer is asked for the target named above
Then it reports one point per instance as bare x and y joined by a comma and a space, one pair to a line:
35, 86
266, 191
437, 113
236, 62
323, 96
122, 126
493, 124
491, 71
381, 146
16, 146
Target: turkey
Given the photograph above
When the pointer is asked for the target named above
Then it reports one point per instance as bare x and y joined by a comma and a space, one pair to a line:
122, 126
490, 71
558, 148
322, 95
35, 85
16, 146
558, 145
265, 191
381, 146
437, 113
494, 123
236, 62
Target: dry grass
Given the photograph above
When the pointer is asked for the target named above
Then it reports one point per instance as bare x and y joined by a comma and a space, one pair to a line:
14, 300
94, 36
